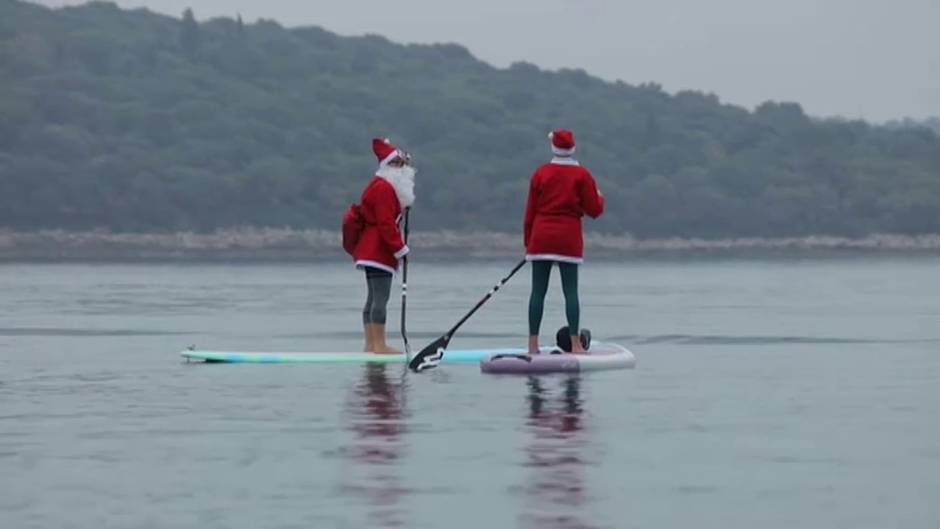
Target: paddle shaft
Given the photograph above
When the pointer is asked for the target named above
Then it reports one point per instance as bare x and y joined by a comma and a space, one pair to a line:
404, 287
480, 303
432, 354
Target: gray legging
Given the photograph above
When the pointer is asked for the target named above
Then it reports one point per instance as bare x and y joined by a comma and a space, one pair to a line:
379, 283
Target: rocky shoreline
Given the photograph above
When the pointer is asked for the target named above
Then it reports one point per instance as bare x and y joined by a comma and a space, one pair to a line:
268, 244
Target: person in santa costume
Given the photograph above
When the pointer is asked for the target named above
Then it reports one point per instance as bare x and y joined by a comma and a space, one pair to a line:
560, 193
380, 246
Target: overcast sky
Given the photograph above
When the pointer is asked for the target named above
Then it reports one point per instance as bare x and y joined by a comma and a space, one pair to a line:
873, 59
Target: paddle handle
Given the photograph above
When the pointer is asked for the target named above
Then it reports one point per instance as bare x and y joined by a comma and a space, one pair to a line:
488, 295
404, 287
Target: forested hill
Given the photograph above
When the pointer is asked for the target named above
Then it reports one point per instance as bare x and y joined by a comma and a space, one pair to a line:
932, 123
133, 121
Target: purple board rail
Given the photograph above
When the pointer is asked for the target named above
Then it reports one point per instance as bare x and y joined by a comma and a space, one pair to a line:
601, 356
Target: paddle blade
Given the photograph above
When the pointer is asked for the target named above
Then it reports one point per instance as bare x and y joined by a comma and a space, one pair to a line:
430, 356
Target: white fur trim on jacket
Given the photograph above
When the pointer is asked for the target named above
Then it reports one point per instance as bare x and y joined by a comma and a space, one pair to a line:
403, 252
362, 263
553, 257
564, 161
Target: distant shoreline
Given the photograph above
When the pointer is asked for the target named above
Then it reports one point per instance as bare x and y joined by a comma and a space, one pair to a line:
261, 244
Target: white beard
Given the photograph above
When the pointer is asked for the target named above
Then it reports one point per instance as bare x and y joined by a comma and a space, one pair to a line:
403, 180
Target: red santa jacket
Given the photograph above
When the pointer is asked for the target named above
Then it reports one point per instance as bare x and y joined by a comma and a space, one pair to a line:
560, 193
380, 245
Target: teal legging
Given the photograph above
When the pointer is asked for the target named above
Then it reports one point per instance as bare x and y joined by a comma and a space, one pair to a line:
541, 271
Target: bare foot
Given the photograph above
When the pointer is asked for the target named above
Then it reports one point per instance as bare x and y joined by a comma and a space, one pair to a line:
534, 345
367, 330
576, 347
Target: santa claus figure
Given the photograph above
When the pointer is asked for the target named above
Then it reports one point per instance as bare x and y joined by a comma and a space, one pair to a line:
561, 192
380, 246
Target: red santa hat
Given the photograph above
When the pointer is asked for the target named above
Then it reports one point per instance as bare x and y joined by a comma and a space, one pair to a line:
562, 142
385, 151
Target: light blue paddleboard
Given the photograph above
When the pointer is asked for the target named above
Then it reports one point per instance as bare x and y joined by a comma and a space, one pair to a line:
256, 357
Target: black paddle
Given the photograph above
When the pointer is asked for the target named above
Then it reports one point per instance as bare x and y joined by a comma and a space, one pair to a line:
404, 289
431, 355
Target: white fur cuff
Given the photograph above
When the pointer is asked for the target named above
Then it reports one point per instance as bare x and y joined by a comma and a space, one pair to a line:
401, 253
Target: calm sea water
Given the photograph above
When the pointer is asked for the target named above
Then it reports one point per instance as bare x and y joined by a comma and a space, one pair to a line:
768, 393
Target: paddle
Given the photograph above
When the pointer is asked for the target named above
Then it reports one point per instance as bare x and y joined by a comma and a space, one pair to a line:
431, 355
404, 289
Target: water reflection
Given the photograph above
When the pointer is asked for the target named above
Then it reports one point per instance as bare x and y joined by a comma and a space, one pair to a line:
556, 494
376, 414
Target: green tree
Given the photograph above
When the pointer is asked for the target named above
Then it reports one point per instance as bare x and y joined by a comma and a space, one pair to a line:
189, 33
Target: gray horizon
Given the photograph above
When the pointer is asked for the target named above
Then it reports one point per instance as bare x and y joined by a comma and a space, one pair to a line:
857, 60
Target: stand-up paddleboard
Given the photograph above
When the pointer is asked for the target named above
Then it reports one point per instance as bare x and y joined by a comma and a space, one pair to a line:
236, 357
257, 357
600, 356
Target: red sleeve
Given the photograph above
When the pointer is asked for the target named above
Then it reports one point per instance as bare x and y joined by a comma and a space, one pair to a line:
591, 199
530, 208
386, 221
